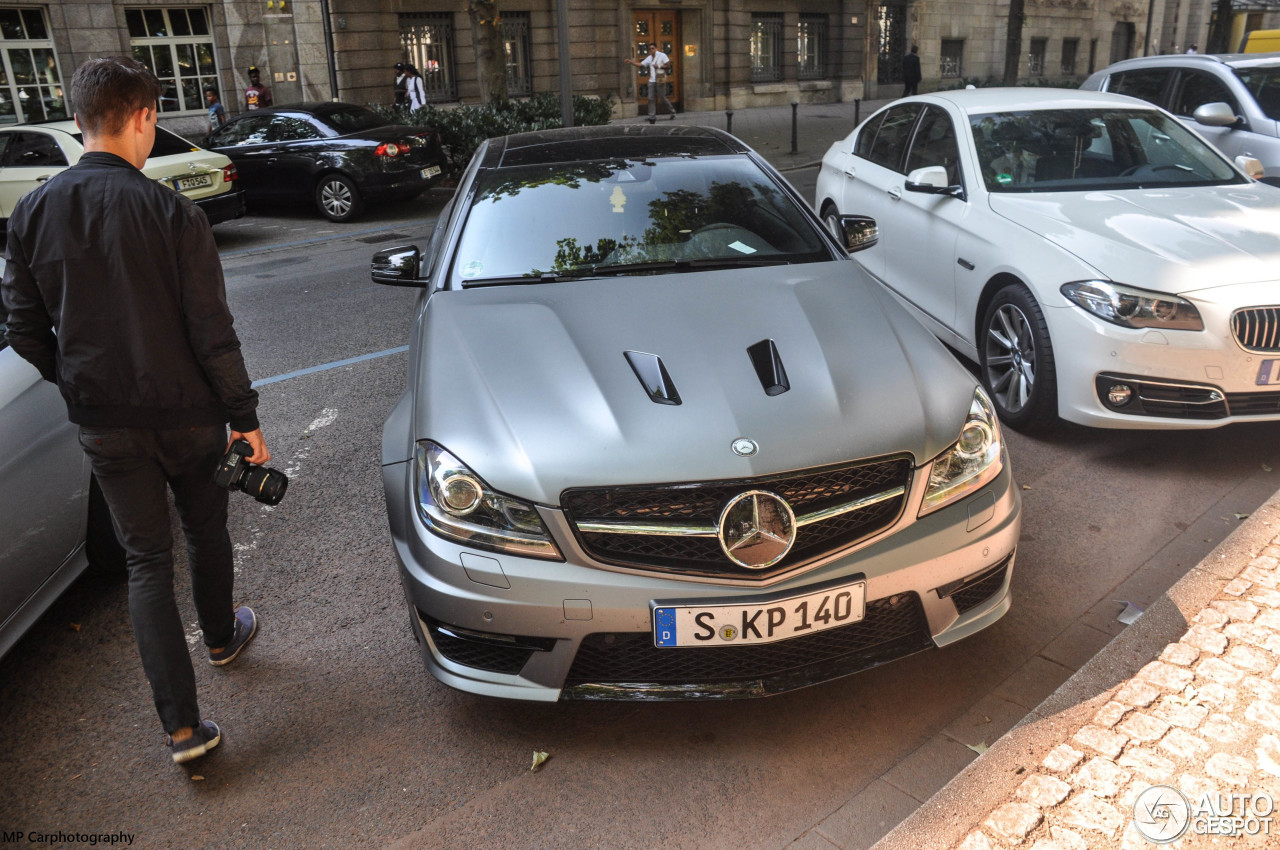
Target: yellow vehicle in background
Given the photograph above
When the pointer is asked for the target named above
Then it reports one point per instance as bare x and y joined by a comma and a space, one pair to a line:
1262, 41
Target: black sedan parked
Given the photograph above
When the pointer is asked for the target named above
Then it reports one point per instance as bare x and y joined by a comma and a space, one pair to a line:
337, 154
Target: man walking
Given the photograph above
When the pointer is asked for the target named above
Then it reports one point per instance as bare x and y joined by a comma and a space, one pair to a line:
256, 96
659, 64
911, 74
114, 291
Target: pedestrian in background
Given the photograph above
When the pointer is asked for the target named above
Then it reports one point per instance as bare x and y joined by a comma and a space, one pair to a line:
256, 96
416, 91
911, 75
217, 114
113, 289
400, 89
659, 64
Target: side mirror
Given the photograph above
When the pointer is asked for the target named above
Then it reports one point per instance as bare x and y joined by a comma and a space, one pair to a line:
932, 180
860, 232
1251, 166
1215, 115
397, 266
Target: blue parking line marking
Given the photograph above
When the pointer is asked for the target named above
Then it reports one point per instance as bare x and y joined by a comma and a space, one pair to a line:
326, 366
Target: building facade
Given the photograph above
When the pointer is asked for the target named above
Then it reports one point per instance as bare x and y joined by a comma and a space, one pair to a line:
726, 54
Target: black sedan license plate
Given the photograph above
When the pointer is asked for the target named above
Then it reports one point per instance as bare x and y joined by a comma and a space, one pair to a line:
765, 622
197, 182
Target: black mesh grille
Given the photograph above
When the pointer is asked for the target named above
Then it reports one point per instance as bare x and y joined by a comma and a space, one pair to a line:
970, 597
1254, 404
892, 627
480, 654
1258, 328
701, 504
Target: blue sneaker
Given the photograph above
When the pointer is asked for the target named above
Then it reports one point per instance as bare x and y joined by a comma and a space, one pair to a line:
204, 737
246, 628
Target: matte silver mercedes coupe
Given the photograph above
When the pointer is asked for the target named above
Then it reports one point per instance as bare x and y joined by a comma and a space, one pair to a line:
663, 439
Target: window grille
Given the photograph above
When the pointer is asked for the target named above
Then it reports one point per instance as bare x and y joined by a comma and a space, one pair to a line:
427, 41
951, 64
515, 44
811, 47
766, 47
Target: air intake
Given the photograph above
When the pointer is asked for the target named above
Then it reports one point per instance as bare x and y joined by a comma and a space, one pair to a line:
769, 368
653, 377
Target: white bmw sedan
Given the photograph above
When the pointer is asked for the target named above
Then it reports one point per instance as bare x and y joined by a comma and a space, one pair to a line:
1097, 259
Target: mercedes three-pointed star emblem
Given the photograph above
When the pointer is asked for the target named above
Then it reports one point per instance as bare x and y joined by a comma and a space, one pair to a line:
757, 529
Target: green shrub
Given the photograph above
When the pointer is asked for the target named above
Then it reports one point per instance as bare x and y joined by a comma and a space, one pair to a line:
463, 128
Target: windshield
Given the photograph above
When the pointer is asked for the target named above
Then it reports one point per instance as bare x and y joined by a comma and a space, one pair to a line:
352, 119
1090, 149
585, 219
1263, 83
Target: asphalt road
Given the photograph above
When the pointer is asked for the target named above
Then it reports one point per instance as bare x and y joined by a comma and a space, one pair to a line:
334, 734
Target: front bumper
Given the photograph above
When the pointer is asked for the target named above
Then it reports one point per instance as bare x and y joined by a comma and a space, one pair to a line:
1178, 379
521, 628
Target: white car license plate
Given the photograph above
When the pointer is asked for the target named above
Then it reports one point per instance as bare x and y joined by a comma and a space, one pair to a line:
765, 622
1269, 373
197, 182
428, 173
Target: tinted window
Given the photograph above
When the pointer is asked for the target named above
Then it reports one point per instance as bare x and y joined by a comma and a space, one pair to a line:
1147, 85
352, 119
170, 144
867, 137
1055, 150
891, 141
32, 149
245, 131
1195, 89
935, 144
640, 217
1264, 84
287, 128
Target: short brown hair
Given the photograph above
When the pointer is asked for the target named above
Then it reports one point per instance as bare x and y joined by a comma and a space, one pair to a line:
106, 92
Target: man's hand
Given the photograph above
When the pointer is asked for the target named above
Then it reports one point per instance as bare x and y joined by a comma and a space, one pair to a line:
255, 439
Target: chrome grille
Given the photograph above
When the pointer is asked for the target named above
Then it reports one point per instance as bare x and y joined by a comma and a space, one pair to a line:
672, 527
1257, 328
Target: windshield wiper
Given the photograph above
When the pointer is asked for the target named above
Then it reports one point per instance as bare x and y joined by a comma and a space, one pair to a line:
705, 264
543, 277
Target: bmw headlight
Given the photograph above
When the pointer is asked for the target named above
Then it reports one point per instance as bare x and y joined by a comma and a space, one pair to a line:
970, 462
457, 505
1133, 308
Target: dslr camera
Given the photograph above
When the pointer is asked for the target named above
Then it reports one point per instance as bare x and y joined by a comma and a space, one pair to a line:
235, 473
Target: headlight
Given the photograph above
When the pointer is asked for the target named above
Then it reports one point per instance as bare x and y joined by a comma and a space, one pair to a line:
1133, 308
455, 504
970, 462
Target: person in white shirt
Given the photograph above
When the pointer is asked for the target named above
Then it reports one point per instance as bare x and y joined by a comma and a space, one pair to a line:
659, 64
417, 93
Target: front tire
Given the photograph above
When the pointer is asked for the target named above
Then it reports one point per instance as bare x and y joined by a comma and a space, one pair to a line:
1017, 360
337, 197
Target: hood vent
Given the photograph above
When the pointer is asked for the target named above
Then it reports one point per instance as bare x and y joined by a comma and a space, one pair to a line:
654, 376
769, 368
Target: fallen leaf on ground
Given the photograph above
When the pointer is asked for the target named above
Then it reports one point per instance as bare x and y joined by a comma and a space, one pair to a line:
75, 627
1026, 486
538, 759
978, 748
1266, 468
1242, 516
197, 778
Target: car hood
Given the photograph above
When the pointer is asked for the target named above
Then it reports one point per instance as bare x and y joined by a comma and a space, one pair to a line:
529, 385
1168, 240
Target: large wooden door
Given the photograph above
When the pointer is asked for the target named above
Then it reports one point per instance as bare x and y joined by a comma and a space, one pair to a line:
660, 27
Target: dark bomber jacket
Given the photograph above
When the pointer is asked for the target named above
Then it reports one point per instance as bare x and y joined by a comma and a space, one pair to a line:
114, 292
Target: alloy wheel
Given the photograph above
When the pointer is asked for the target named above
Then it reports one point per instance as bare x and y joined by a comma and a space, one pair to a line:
337, 198
1010, 358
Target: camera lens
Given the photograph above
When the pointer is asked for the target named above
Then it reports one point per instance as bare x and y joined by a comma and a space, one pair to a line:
265, 485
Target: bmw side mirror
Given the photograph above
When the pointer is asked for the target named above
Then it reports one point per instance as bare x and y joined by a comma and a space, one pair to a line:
932, 180
1216, 115
397, 266
860, 232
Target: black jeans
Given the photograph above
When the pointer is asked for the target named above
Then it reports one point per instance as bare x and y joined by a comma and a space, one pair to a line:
133, 467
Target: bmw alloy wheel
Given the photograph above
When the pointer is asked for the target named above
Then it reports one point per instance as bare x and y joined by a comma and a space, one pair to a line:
1011, 358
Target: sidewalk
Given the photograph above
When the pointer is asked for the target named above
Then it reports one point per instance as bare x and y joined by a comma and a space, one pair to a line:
1188, 696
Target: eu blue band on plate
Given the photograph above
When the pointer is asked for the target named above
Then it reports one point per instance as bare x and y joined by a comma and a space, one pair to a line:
664, 627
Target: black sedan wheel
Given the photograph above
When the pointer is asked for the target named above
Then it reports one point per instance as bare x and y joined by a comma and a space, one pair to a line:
337, 197
1017, 360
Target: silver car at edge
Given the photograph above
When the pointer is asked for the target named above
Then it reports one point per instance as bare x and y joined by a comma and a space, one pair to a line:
661, 438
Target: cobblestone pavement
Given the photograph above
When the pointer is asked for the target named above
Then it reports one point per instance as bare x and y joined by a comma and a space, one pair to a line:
1203, 718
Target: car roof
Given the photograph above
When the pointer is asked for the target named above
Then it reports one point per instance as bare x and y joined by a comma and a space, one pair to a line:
621, 141
1027, 98
1191, 60
312, 107
62, 125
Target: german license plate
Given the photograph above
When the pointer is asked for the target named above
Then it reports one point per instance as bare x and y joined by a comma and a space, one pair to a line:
1269, 373
197, 182
765, 622
428, 173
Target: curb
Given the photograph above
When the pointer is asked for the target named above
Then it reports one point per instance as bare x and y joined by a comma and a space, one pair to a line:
958, 807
